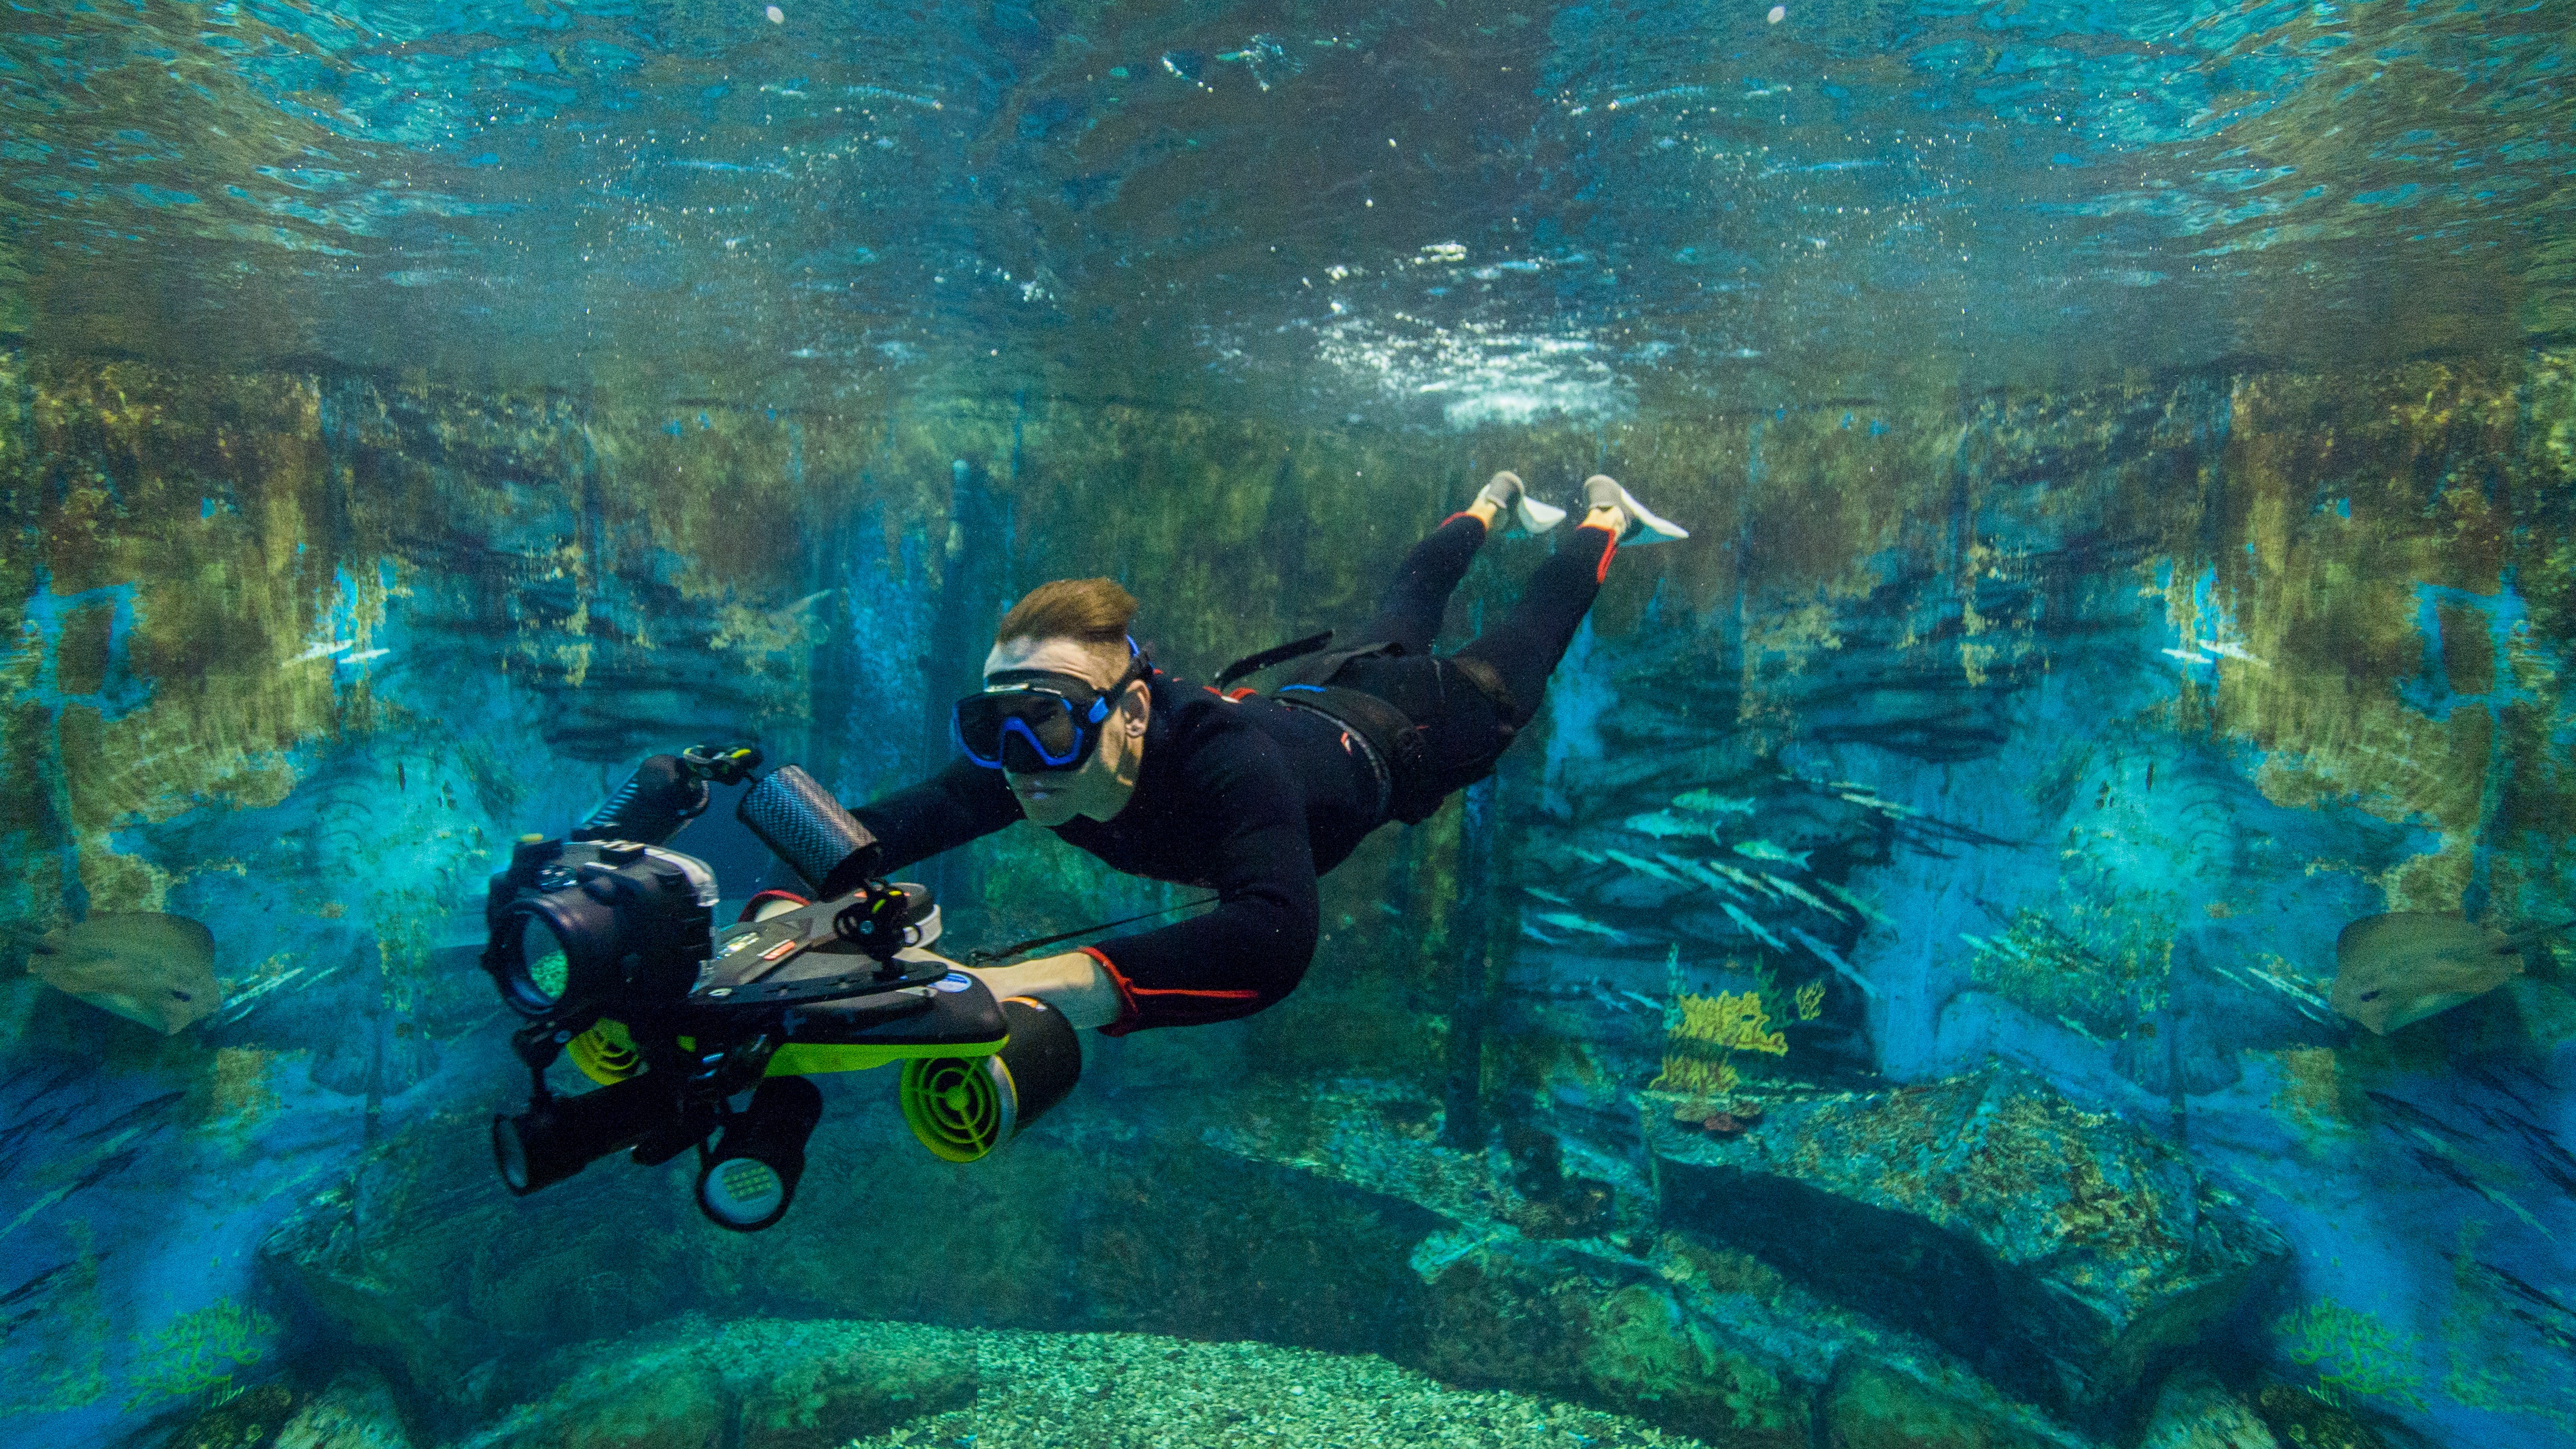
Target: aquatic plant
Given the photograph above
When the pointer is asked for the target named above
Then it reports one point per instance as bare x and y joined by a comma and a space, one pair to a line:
1731, 1021
2311, 1090
1695, 1076
2355, 1354
201, 1350
1724, 1024
1811, 1001
2088, 969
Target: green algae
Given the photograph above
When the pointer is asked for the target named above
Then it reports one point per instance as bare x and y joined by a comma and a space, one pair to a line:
2103, 982
2355, 1354
201, 1351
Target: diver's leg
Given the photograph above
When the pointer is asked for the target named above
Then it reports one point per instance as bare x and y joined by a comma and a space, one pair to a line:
1408, 614
1526, 645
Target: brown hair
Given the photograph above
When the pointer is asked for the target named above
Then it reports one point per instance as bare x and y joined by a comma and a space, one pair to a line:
1095, 611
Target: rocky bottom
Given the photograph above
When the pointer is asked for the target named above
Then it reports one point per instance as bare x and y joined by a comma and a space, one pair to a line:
1094, 1391
781, 1384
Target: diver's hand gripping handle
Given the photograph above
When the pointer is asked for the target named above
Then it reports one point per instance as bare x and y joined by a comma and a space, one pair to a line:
797, 818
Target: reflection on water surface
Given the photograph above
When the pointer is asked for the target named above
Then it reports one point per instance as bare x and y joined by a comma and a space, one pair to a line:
1415, 210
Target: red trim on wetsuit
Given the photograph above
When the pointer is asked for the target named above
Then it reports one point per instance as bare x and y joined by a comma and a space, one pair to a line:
1609, 550
1165, 1008
1454, 517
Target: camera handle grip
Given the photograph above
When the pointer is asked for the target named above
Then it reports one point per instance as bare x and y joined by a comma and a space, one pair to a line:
662, 795
804, 826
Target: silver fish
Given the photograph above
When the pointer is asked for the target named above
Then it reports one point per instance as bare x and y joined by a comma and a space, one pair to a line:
1793, 892
1664, 825
1871, 801
1643, 867
1752, 926
1758, 884
1580, 925
1868, 912
1830, 957
1709, 802
1698, 870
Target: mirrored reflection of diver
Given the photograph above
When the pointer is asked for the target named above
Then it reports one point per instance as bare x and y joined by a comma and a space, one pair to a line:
604, 941
1252, 794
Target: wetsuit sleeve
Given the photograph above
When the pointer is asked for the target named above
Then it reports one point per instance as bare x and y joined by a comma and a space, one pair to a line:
956, 805
1254, 947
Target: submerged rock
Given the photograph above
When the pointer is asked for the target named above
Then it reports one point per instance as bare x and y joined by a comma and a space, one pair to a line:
2195, 1411
248, 1420
1869, 1407
2066, 1256
356, 1412
1381, 1242
755, 1384
1537, 1317
1709, 1343
424, 1261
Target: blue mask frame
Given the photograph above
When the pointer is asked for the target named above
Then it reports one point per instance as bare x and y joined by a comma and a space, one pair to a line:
1019, 696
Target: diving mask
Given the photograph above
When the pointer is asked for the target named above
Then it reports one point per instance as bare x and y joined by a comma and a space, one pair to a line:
1032, 720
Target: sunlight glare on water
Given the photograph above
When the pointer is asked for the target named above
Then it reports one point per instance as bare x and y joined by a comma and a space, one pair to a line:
1423, 211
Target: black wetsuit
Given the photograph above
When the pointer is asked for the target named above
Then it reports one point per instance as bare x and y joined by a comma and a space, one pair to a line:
1256, 799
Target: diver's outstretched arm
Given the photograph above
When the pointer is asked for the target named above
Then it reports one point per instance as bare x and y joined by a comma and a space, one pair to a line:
959, 804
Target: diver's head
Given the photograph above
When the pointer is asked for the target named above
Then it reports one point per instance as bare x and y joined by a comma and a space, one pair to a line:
1065, 705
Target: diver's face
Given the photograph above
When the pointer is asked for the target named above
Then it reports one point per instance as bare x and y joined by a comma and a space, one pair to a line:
1099, 786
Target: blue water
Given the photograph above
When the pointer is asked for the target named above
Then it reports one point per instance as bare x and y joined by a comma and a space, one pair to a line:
497, 244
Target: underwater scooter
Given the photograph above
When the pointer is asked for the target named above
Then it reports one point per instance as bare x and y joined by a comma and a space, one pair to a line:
605, 942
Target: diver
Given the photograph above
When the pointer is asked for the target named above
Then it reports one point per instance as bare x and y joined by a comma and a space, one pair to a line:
1253, 795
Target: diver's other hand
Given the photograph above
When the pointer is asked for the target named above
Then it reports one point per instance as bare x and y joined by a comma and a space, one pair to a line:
1074, 983
924, 956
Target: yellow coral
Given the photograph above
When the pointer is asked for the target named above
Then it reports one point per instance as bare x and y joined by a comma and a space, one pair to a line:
1733, 1020
1811, 1001
1695, 1076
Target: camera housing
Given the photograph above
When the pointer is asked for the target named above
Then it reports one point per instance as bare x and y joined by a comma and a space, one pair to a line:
577, 924
606, 946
